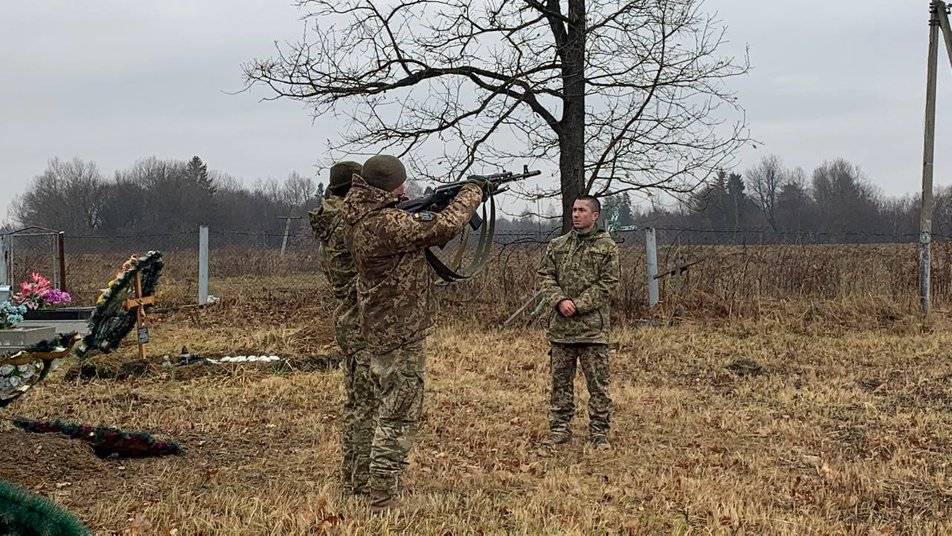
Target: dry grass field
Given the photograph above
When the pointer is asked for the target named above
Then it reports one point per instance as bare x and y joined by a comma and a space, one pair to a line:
843, 426
727, 281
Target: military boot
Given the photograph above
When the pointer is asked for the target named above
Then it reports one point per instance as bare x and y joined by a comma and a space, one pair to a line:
355, 490
383, 501
558, 437
600, 442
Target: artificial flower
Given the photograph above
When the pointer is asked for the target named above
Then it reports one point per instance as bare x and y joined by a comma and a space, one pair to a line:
11, 314
37, 292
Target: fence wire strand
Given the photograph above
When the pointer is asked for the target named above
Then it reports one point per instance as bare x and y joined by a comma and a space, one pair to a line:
735, 268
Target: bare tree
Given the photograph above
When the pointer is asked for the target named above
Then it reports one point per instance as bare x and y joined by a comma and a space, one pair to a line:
766, 180
795, 210
298, 190
68, 196
626, 94
846, 200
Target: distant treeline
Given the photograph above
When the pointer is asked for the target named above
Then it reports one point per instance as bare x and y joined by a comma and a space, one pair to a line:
155, 197
767, 203
770, 203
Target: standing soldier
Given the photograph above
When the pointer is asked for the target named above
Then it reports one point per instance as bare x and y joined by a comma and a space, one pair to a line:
338, 266
578, 275
394, 287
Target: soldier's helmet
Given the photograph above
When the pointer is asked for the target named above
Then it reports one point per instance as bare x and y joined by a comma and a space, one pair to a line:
341, 174
384, 171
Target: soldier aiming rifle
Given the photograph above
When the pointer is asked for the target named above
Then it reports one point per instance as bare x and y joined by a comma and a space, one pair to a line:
441, 197
389, 239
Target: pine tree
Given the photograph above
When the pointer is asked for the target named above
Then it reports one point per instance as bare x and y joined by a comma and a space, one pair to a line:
197, 172
737, 200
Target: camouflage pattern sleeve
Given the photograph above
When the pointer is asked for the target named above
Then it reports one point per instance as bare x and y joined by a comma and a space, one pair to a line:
406, 233
550, 292
599, 294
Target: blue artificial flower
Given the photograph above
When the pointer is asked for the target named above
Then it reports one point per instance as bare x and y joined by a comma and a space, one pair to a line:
10, 314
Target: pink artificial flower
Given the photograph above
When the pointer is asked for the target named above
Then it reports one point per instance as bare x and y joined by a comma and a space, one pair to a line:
40, 280
24, 296
56, 296
38, 292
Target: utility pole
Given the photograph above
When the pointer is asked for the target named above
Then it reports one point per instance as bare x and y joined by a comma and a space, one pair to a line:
938, 20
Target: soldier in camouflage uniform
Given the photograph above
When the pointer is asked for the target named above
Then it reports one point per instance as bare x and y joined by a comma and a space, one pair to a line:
338, 266
578, 275
394, 287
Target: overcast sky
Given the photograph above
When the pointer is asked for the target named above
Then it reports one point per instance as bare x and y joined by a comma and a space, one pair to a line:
113, 81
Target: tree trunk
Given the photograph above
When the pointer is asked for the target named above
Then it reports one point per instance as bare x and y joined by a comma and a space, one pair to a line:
572, 171
572, 131
772, 216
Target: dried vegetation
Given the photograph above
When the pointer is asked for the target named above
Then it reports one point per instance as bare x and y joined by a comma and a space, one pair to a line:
824, 410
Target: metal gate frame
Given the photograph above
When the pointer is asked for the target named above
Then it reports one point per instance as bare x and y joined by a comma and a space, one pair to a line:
8, 253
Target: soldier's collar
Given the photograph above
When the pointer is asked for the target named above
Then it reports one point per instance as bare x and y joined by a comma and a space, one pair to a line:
591, 232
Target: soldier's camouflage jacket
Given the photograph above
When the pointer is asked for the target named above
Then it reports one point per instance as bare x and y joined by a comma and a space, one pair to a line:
387, 243
583, 268
338, 266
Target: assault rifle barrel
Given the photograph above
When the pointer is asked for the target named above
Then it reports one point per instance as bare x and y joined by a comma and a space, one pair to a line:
442, 195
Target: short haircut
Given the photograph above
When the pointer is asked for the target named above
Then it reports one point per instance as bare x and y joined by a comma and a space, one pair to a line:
592, 202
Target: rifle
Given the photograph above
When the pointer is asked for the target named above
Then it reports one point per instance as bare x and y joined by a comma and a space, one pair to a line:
440, 197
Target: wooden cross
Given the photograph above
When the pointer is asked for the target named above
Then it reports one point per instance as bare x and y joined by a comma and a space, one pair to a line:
138, 303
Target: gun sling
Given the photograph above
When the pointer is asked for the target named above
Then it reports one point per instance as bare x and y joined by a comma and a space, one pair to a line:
461, 273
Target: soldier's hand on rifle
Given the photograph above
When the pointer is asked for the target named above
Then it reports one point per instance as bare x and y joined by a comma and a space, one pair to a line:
487, 186
566, 308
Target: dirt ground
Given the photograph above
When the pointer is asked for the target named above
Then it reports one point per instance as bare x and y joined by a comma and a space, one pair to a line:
776, 425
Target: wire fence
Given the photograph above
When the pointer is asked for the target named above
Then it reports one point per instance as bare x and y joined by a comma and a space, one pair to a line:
739, 271
31, 250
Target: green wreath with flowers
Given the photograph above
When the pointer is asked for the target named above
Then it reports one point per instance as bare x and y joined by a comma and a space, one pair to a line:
110, 321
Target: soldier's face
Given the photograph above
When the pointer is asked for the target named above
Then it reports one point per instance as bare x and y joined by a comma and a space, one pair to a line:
400, 191
583, 217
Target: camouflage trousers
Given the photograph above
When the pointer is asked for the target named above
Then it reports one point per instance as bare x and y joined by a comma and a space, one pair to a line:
347, 328
360, 408
397, 378
593, 359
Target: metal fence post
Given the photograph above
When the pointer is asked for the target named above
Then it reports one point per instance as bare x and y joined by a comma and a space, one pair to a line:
61, 260
6, 259
651, 266
5, 242
287, 231
203, 265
